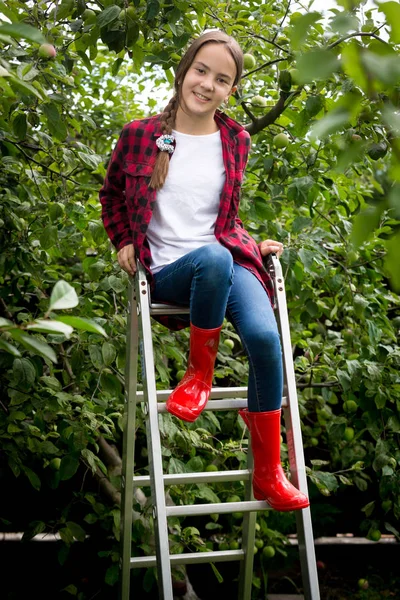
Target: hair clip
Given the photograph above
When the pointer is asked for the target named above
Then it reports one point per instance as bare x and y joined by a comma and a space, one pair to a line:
166, 143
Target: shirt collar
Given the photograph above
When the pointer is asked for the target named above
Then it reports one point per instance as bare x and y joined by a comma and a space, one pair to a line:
228, 127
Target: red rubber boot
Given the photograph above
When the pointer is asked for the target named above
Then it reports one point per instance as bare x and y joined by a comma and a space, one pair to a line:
191, 395
269, 480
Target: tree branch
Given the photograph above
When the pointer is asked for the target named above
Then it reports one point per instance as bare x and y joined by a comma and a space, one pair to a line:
357, 34
271, 115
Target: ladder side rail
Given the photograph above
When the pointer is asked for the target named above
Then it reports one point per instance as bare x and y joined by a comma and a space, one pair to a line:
154, 443
128, 449
248, 538
295, 442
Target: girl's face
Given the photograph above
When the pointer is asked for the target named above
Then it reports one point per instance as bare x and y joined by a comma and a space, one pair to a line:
208, 81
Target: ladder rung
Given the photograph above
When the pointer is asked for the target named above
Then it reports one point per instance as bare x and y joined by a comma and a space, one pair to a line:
216, 393
188, 559
231, 404
183, 478
219, 508
228, 398
168, 309
228, 404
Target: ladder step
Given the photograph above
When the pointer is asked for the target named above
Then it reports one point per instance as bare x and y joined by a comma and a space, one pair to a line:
216, 393
183, 478
189, 559
220, 398
219, 508
168, 309
232, 404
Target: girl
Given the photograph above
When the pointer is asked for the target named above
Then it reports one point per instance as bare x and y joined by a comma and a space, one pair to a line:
171, 199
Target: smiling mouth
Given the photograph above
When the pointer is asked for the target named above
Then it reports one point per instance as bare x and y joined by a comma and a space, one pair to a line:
201, 97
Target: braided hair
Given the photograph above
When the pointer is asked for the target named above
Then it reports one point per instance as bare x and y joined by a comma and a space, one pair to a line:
168, 116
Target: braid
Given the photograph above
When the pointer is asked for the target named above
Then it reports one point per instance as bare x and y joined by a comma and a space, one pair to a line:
161, 166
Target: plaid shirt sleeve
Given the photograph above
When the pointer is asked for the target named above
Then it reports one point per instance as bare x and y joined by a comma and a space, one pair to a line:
112, 196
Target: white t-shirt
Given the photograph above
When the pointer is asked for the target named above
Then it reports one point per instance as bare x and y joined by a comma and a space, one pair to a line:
187, 206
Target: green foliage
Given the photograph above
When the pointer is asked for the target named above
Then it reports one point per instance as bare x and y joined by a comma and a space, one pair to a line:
331, 195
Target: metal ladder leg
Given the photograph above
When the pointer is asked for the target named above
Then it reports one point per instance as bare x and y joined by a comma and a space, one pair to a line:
295, 446
248, 539
128, 452
154, 445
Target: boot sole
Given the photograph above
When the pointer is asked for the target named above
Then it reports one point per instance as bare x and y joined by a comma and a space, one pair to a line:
180, 416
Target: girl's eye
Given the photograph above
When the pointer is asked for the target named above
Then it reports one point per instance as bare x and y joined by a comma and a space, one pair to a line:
203, 71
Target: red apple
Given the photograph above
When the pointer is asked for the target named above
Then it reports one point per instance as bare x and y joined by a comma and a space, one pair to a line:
47, 51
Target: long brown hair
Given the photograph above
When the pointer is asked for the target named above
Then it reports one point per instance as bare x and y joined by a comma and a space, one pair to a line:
168, 116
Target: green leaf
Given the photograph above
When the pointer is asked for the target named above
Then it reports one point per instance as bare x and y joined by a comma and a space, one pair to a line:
109, 353
176, 466
316, 64
49, 237
153, 8
314, 105
34, 528
33, 478
76, 530
38, 347
21, 30
327, 480
9, 348
20, 126
96, 356
112, 574
51, 382
90, 160
302, 27
83, 324
48, 326
116, 284
108, 15
56, 126
6, 322
382, 68
332, 122
25, 88
368, 509
63, 296
68, 467
392, 13
24, 372
364, 224
206, 493
90, 458
392, 262
71, 589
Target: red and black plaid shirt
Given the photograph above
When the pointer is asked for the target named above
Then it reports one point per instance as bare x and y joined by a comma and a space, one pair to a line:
127, 201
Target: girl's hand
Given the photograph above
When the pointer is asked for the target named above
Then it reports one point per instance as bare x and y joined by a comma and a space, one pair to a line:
126, 259
270, 246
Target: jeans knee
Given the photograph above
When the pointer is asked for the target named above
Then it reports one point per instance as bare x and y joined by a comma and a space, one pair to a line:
265, 344
217, 263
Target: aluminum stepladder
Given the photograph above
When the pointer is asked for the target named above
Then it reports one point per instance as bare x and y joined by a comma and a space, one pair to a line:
139, 335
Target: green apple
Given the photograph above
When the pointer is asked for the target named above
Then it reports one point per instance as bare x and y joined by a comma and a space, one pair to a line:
281, 140
268, 552
350, 406
88, 16
249, 62
258, 101
229, 343
348, 434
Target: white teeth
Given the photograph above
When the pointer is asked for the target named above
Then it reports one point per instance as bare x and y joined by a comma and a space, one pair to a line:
200, 96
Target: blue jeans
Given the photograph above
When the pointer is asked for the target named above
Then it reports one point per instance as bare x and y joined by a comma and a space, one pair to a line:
214, 286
